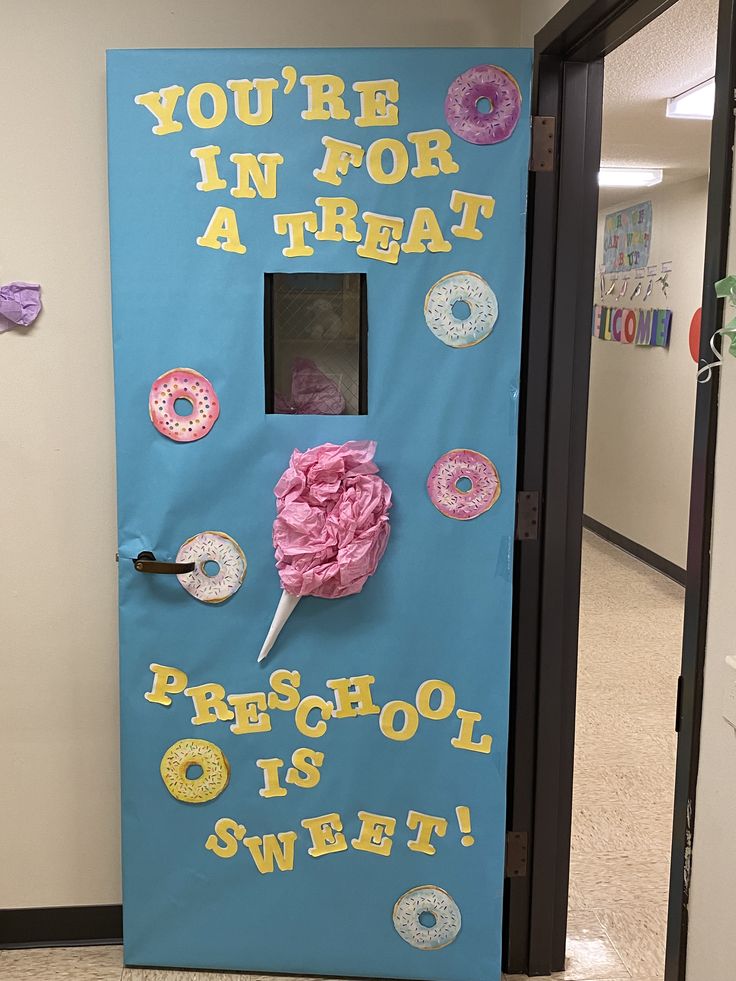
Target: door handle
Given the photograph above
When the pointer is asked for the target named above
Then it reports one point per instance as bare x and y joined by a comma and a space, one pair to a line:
147, 562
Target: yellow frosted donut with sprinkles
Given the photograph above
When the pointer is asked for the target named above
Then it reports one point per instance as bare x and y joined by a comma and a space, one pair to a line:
177, 764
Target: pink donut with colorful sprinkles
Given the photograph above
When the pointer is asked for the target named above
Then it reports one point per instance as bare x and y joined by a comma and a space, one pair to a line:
463, 467
192, 387
466, 94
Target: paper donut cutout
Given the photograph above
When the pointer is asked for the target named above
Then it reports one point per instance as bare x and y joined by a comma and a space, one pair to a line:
209, 784
439, 313
454, 501
463, 111
192, 387
438, 906
219, 548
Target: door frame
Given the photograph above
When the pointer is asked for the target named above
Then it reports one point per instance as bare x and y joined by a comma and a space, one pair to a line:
563, 208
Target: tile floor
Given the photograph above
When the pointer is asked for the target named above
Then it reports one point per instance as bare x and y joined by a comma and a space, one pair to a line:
630, 631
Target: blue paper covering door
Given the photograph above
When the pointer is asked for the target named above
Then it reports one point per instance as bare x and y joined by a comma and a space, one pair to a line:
361, 830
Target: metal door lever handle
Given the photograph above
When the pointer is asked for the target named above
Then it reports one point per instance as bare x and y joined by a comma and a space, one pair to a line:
147, 562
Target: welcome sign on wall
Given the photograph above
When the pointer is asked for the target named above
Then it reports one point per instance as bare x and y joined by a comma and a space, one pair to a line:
339, 808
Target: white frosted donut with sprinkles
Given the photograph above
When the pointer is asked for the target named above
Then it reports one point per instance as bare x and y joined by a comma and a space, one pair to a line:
441, 314
192, 387
463, 484
220, 550
483, 105
439, 911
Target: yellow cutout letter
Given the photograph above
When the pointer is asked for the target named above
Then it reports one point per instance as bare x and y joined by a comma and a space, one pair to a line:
209, 704
219, 105
353, 696
250, 713
223, 225
211, 180
326, 834
166, 681
273, 847
431, 145
271, 786
377, 100
339, 157
427, 825
464, 739
323, 97
230, 832
388, 715
304, 769
264, 181
264, 88
296, 225
301, 716
472, 206
425, 228
162, 104
338, 224
424, 699
375, 833
399, 161
284, 683
380, 230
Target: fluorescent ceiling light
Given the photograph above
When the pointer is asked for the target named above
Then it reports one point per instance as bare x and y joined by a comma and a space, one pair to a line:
629, 176
695, 103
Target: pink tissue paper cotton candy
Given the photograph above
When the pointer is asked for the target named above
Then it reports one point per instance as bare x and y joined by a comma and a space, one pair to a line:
332, 522
20, 304
312, 392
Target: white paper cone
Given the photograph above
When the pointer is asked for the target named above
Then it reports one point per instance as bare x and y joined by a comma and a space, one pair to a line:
286, 607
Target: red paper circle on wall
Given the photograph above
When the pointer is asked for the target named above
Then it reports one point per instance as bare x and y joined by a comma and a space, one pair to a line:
695, 335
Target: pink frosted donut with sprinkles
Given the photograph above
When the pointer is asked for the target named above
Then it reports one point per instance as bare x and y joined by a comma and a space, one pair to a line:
463, 484
191, 387
484, 85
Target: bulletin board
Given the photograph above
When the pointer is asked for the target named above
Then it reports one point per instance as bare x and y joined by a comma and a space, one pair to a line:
351, 786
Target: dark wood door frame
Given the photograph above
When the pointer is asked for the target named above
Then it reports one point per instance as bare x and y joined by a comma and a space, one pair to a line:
563, 205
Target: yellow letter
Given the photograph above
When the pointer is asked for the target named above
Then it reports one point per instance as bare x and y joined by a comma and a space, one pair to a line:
304, 771
427, 826
375, 833
432, 144
339, 156
424, 696
464, 739
375, 107
301, 716
399, 161
162, 105
223, 225
471, 206
219, 105
326, 834
378, 234
264, 852
231, 833
338, 213
248, 169
250, 713
165, 681
284, 683
242, 87
425, 228
295, 225
388, 714
209, 704
353, 696
211, 180
323, 97
271, 786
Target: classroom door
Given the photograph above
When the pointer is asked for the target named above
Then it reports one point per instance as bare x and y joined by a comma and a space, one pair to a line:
316, 247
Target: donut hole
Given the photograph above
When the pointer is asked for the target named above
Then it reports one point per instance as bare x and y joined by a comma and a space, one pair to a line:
460, 310
427, 919
210, 567
463, 484
484, 105
194, 771
183, 407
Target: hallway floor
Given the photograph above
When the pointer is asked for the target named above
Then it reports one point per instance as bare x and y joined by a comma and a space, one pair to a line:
630, 633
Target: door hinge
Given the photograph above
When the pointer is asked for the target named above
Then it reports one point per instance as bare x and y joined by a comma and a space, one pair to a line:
542, 158
678, 708
527, 516
517, 849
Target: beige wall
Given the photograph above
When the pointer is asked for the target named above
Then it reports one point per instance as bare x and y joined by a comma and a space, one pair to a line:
712, 938
59, 825
641, 406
